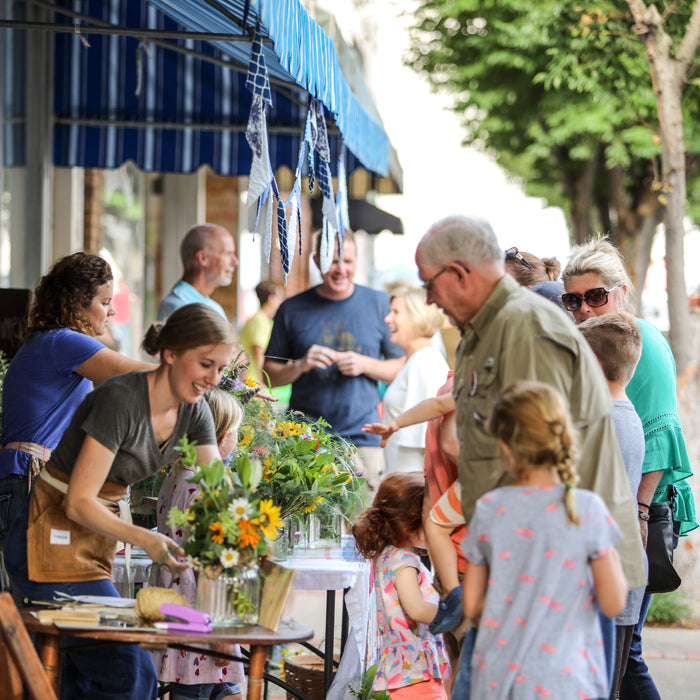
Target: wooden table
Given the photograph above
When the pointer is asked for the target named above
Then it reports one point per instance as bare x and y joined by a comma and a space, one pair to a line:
259, 639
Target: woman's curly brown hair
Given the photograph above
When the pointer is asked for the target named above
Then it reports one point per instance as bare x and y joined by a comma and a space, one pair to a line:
62, 296
394, 517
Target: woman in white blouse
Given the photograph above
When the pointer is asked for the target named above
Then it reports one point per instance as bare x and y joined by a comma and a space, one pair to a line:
412, 323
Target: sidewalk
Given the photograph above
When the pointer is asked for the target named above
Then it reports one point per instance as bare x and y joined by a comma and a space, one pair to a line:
673, 657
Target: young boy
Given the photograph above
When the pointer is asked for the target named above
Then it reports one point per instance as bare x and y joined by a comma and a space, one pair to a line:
617, 343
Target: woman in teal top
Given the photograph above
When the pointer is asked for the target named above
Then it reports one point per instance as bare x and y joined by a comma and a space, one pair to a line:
597, 283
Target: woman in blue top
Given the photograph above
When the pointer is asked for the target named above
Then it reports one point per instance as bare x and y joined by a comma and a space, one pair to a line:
597, 283
53, 371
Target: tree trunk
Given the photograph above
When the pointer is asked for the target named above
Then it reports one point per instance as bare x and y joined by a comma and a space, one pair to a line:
668, 99
581, 194
668, 75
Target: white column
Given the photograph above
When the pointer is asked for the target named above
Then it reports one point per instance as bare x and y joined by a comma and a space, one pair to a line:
184, 205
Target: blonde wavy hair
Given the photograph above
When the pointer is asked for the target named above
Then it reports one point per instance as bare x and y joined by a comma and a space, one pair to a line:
426, 319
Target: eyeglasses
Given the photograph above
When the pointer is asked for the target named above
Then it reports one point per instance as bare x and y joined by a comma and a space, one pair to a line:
593, 297
428, 284
515, 253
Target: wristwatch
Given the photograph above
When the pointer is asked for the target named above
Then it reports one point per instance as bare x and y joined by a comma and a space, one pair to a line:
642, 516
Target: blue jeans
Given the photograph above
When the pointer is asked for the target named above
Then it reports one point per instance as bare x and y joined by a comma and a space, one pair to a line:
107, 672
609, 633
203, 691
461, 688
13, 499
637, 683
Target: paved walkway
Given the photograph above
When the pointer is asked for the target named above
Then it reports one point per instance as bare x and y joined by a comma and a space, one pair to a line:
673, 657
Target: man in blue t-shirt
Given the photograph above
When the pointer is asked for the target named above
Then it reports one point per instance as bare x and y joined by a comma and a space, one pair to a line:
208, 255
331, 343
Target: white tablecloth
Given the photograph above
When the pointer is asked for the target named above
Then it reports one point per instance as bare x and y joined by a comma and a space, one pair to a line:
335, 569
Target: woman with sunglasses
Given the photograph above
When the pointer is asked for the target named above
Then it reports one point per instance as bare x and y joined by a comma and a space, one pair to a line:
597, 283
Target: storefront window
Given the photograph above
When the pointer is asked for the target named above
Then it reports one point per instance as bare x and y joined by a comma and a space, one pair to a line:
124, 248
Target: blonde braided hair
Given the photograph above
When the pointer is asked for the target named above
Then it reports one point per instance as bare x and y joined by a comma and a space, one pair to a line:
532, 418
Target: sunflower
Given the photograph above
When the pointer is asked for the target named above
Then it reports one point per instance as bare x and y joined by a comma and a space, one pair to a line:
269, 519
218, 529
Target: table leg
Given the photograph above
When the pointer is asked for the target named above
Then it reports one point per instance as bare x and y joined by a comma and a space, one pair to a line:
328, 648
345, 624
256, 669
51, 660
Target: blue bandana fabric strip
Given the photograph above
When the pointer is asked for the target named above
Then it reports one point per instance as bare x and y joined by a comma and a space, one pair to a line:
341, 197
257, 80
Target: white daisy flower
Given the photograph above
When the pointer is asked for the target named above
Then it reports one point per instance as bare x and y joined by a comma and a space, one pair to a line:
240, 508
228, 558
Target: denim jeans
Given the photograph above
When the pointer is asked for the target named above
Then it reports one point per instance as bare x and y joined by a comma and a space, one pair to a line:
609, 633
13, 499
637, 683
461, 688
102, 672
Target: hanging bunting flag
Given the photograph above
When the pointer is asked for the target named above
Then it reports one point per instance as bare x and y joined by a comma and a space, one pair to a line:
310, 136
341, 197
257, 80
261, 177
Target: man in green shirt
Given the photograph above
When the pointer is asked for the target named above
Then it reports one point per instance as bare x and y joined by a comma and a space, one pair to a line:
510, 334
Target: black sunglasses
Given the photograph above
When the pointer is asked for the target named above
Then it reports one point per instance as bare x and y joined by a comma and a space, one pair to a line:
593, 297
515, 253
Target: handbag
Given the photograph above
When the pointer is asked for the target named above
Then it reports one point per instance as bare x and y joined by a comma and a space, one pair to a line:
663, 577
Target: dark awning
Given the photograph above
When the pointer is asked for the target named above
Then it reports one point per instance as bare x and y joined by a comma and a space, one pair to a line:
173, 105
363, 216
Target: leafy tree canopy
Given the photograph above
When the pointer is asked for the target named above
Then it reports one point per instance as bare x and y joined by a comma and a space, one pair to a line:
561, 94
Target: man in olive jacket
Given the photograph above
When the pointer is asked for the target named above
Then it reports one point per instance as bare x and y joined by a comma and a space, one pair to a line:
510, 334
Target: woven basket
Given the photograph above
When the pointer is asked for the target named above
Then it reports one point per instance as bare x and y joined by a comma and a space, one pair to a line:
305, 673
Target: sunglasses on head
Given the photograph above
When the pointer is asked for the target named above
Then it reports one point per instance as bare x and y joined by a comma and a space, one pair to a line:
593, 297
515, 253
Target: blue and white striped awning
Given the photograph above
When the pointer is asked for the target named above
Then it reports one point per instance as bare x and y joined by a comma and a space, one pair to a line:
124, 98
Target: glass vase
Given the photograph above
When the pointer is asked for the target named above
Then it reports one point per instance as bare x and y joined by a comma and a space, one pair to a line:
232, 598
283, 545
325, 530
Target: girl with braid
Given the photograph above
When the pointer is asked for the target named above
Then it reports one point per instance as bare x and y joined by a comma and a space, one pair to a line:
411, 661
540, 557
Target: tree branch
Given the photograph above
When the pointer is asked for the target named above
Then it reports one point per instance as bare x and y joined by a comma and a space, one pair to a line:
689, 45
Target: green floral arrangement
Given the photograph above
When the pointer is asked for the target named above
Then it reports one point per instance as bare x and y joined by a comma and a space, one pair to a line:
229, 523
305, 466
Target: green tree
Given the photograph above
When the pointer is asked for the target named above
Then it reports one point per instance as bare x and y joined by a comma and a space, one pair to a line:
560, 93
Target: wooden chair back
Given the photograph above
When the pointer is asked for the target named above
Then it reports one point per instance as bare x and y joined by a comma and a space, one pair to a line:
18, 650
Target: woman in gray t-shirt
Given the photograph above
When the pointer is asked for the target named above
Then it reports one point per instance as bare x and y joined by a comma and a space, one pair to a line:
125, 430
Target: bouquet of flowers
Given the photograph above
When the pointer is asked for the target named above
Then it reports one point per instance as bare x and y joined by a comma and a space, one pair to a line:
244, 389
304, 465
228, 524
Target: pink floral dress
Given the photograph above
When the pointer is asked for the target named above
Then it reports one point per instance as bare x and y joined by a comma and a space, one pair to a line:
408, 653
173, 665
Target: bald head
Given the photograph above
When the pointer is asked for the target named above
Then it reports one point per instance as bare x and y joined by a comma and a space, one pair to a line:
208, 255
